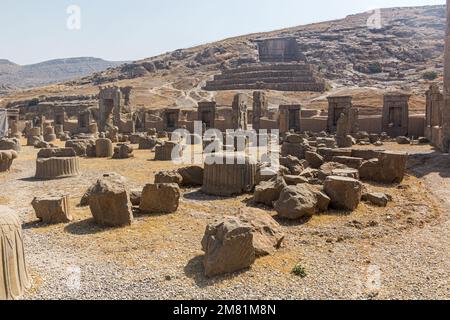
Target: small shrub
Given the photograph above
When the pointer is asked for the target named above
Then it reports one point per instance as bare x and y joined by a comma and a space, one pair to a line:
299, 271
430, 75
375, 67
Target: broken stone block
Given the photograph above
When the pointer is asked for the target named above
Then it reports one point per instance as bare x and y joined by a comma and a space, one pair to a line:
147, 142
390, 167
6, 159
403, 140
267, 234
350, 162
103, 148
168, 177
377, 198
123, 151
135, 196
294, 180
348, 173
228, 247
52, 209
327, 168
297, 201
160, 198
345, 193
314, 159
191, 176
109, 201
294, 164
10, 144
269, 191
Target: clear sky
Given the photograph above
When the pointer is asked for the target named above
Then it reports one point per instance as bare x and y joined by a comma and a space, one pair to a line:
36, 30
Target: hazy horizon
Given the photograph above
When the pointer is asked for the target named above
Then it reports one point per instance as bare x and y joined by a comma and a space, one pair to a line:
138, 29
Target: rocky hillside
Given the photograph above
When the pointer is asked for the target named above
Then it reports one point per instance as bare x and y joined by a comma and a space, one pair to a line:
14, 76
405, 53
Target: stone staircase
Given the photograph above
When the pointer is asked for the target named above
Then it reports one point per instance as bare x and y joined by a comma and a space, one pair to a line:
281, 77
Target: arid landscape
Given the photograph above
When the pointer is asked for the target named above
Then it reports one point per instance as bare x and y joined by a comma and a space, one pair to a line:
335, 185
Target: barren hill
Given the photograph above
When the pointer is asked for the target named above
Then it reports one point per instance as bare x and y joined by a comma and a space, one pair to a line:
21, 77
405, 53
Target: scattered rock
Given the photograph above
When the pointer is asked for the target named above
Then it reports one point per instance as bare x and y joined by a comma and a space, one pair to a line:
345, 193
160, 198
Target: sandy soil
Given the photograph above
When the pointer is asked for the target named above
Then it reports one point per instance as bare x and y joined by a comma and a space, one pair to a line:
384, 253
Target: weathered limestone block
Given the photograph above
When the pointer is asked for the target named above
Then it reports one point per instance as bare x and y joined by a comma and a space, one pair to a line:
388, 168
294, 180
14, 278
103, 148
300, 201
113, 134
166, 150
147, 142
269, 191
135, 196
295, 165
192, 175
10, 144
109, 201
403, 140
79, 145
55, 168
134, 138
348, 173
351, 162
49, 134
376, 198
160, 198
327, 168
6, 159
345, 193
56, 152
33, 135
228, 247
314, 159
41, 144
52, 209
123, 151
227, 175
267, 234
295, 149
168, 177
366, 154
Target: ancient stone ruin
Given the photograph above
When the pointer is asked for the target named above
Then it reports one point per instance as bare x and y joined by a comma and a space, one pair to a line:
396, 114
52, 209
6, 159
282, 67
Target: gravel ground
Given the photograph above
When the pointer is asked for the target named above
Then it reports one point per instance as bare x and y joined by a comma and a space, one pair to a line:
391, 253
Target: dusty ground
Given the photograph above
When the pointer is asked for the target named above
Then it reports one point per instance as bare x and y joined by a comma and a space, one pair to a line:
391, 253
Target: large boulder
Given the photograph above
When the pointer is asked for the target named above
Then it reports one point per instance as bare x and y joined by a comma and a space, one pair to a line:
376, 198
109, 201
228, 246
267, 234
191, 176
52, 209
160, 198
269, 191
345, 193
168, 177
299, 201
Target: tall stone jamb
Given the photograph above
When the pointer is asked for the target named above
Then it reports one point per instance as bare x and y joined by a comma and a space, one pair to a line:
338, 105
260, 107
395, 120
289, 118
446, 106
240, 112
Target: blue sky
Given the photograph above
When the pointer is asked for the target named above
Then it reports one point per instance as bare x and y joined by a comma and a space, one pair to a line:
34, 31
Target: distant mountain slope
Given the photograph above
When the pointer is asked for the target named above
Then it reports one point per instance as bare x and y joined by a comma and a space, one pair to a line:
53, 71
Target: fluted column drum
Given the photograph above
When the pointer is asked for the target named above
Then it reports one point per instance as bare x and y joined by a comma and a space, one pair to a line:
14, 277
55, 168
230, 175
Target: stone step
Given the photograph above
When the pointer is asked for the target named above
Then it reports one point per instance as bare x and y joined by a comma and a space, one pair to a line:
264, 80
314, 87
267, 74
